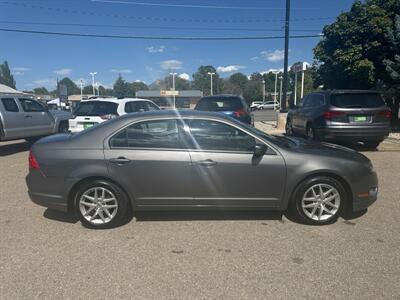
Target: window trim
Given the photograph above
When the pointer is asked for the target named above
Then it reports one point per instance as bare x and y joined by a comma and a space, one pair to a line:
16, 103
34, 101
106, 142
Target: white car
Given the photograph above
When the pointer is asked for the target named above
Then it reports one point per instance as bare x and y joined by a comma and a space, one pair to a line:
255, 104
268, 105
94, 111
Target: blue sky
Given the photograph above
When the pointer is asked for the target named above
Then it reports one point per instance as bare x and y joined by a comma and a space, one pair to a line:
38, 60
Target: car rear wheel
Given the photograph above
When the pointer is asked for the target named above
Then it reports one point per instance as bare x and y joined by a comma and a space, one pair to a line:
289, 127
63, 127
310, 132
101, 204
372, 144
319, 200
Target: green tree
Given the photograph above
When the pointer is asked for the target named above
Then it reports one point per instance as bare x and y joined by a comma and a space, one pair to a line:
87, 90
239, 81
120, 88
136, 86
6, 77
201, 79
41, 91
72, 88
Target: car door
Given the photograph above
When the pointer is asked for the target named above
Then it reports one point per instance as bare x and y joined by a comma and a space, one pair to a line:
149, 159
38, 121
306, 112
296, 114
225, 171
13, 118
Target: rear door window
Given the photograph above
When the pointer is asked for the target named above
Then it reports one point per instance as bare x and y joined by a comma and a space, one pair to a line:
220, 104
10, 105
357, 100
139, 106
96, 108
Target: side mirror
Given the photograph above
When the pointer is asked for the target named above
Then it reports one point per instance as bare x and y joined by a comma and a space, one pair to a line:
260, 149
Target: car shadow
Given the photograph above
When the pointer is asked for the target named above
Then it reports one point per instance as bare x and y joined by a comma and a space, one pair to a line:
60, 216
14, 148
207, 215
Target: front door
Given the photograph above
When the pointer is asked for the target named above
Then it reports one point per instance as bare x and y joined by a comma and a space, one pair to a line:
38, 121
225, 170
150, 161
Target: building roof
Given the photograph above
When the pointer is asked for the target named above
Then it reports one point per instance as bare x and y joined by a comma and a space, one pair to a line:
157, 93
8, 90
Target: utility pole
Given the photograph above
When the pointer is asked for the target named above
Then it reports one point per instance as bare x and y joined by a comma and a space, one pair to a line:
280, 93
173, 86
81, 85
93, 74
263, 89
295, 88
302, 79
211, 84
276, 84
285, 65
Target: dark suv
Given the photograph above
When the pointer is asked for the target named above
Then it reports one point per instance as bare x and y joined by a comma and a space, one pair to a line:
341, 116
231, 105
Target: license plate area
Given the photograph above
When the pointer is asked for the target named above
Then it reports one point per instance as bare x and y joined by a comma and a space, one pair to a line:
360, 119
88, 125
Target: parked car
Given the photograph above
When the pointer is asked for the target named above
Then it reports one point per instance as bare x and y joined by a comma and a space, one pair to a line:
230, 105
255, 104
268, 105
95, 111
25, 118
341, 116
185, 160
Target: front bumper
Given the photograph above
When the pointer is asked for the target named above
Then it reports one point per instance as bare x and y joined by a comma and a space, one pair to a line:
365, 191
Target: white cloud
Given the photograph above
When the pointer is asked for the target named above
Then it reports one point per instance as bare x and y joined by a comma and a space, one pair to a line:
121, 71
273, 56
184, 76
63, 72
171, 64
138, 80
271, 71
48, 82
19, 70
254, 58
229, 69
153, 49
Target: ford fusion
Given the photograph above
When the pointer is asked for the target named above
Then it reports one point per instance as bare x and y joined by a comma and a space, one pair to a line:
169, 160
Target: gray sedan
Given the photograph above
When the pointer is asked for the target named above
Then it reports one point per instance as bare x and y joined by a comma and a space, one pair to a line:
171, 160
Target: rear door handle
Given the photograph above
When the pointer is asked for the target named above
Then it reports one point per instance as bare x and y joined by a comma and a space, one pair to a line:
120, 160
207, 162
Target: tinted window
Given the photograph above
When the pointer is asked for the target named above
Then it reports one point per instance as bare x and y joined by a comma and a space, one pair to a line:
149, 134
357, 100
212, 135
316, 100
96, 108
10, 104
30, 105
219, 104
138, 106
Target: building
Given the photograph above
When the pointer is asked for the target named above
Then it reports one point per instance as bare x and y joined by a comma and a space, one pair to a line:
165, 98
6, 90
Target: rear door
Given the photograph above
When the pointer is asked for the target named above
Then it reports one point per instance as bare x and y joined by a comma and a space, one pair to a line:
37, 119
225, 171
149, 158
13, 118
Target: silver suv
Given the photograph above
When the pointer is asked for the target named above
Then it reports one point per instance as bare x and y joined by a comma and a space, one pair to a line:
25, 118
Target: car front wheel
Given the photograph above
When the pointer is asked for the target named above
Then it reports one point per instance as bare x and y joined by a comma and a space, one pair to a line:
319, 200
101, 204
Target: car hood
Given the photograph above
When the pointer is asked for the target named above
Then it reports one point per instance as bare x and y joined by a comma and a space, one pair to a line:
304, 146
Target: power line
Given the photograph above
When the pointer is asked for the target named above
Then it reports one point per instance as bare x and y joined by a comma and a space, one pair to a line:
154, 27
194, 6
159, 19
183, 38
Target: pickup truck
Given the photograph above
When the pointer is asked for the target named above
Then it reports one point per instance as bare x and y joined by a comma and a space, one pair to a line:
25, 118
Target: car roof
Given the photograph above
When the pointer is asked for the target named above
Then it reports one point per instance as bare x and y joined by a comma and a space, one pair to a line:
334, 92
116, 100
185, 113
222, 96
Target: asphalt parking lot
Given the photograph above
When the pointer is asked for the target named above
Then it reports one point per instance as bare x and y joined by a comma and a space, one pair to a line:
254, 255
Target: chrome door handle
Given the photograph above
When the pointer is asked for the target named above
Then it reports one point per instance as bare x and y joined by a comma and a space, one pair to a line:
207, 162
120, 160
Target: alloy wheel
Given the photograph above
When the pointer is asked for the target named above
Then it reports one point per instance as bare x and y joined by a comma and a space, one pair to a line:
321, 202
98, 205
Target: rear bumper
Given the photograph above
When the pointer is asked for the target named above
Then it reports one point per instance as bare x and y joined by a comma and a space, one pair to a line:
50, 201
365, 133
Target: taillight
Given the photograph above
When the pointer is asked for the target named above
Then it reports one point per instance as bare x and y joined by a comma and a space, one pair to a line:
240, 113
385, 113
330, 114
33, 164
108, 117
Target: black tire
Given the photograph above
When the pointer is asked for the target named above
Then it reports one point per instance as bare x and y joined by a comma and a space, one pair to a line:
289, 128
310, 133
372, 144
300, 214
63, 127
121, 201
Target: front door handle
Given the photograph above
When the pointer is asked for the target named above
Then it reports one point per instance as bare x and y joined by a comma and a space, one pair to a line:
28, 116
120, 160
207, 162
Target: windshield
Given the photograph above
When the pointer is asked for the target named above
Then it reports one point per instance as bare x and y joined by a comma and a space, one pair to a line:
357, 100
96, 108
220, 104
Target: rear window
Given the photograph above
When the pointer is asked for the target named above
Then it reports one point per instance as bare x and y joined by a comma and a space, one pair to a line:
357, 100
96, 108
220, 104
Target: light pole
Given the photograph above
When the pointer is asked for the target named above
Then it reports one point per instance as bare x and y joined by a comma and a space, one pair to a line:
211, 79
280, 92
81, 83
295, 88
263, 89
276, 83
173, 86
93, 74
98, 88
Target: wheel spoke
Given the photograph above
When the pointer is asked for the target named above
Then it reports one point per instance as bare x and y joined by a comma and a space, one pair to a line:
102, 216
110, 206
103, 194
88, 204
107, 212
320, 212
108, 200
313, 211
331, 205
321, 192
309, 205
90, 210
96, 197
88, 197
95, 214
328, 192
